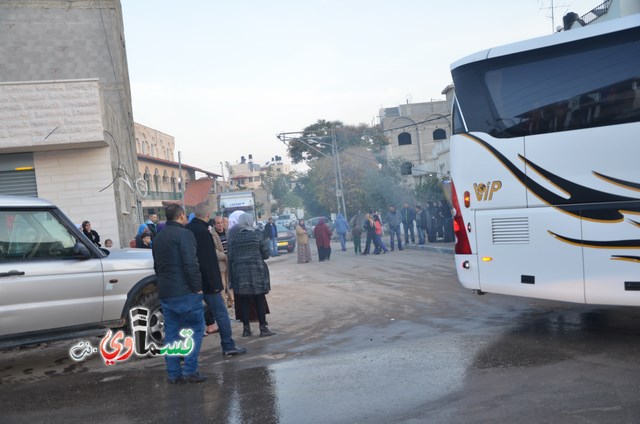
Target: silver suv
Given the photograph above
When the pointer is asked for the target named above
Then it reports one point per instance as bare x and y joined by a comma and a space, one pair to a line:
55, 283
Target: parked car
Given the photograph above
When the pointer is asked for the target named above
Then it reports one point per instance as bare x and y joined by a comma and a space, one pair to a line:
286, 238
312, 222
56, 283
288, 220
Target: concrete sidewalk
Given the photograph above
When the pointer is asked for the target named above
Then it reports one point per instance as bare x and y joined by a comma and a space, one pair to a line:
440, 247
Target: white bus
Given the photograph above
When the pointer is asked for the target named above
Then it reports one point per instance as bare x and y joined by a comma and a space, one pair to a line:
545, 166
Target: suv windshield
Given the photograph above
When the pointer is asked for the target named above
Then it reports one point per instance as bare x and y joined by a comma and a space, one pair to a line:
33, 235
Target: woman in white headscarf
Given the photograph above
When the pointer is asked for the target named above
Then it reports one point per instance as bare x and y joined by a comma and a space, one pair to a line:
233, 221
248, 273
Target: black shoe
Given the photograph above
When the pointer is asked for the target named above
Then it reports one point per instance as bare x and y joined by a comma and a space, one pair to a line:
195, 378
265, 332
177, 380
235, 351
247, 331
402, 248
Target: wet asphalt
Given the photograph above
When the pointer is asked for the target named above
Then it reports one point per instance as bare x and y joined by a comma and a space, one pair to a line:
362, 339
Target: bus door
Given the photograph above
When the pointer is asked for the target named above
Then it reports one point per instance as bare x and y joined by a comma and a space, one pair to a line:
612, 243
553, 167
498, 200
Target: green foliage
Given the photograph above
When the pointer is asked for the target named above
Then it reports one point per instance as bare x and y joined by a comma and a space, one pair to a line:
279, 186
317, 140
386, 186
429, 189
366, 184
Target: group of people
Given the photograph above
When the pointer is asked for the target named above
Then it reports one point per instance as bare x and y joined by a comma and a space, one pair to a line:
432, 223
216, 262
322, 235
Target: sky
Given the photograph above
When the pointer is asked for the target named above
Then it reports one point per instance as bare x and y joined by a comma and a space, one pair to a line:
224, 78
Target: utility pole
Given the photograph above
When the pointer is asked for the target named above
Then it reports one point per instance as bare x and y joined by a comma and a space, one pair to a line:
181, 179
286, 136
339, 190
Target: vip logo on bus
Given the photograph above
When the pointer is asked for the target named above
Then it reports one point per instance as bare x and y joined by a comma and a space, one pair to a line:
486, 191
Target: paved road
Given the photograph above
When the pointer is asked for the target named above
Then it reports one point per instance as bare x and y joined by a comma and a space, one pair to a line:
377, 339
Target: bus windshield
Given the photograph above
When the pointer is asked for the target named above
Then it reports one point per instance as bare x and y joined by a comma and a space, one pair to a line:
587, 83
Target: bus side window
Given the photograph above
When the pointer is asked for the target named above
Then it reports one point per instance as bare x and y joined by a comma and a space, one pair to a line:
618, 102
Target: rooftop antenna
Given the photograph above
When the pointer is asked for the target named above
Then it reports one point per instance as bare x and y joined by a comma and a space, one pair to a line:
552, 9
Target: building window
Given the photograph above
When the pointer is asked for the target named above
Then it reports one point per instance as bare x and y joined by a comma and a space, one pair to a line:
147, 178
404, 139
405, 168
156, 180
439, 134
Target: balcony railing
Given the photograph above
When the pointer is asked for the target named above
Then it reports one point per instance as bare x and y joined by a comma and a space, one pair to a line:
163, 195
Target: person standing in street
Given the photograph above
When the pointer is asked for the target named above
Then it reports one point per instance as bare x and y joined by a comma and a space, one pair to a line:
370, 229
421, 223
393, 219
356, 231
152, 224
342, 228
270, 232
219, 234
212, 285
180, 291
92, 235
302, 239
248, 273
377, 238
408, 217
322, 234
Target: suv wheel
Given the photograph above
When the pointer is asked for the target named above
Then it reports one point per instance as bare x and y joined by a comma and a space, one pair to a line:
155, 320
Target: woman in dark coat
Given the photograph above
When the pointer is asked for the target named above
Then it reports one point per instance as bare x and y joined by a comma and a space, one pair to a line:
248, 273
370, 229
92, 235
322, 233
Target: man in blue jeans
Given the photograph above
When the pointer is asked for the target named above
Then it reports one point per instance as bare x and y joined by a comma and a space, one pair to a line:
271, 232
180, 292
393, 219
212, 285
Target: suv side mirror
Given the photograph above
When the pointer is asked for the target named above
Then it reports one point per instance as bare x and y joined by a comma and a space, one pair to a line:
81, 251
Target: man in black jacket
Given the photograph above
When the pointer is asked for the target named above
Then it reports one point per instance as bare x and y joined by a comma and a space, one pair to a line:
270, 232
408, 217
211, 278
180, 292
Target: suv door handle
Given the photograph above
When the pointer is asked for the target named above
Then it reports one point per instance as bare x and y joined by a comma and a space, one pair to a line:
11, 273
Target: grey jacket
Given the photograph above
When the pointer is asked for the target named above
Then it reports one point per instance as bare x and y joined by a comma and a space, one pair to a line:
393, 218
247, 271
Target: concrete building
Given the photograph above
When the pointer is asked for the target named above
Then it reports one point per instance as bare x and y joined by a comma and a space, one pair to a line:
245, 175
66, 125
159, 174
248, 175
418, 135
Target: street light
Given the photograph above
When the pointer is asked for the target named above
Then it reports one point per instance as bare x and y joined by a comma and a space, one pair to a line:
287, 136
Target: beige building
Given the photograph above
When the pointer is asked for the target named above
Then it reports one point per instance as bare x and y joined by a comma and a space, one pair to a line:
66, 132
247, 175
418, 134
160, 174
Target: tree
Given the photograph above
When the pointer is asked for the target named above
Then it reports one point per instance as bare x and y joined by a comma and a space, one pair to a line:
278, 185
429, 189
317, 139
366, 184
